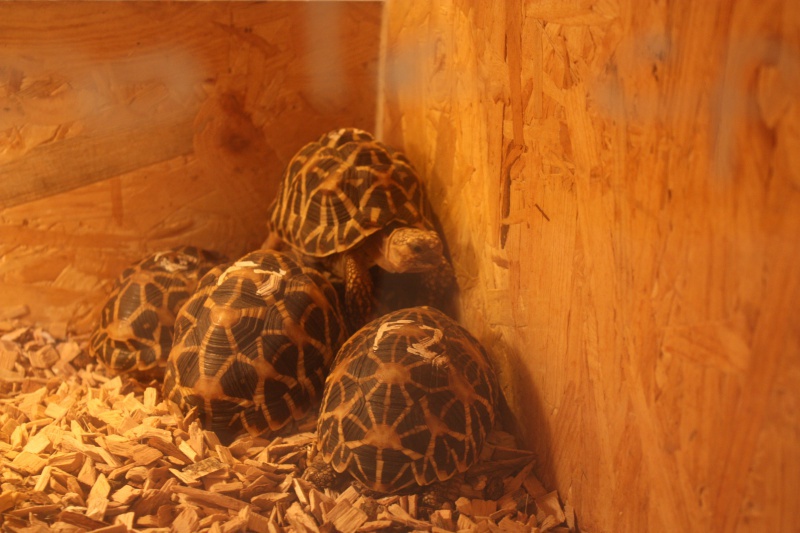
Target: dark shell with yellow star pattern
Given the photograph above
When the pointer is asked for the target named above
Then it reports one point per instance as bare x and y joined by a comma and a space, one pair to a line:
410, 400
254, 344
134, 333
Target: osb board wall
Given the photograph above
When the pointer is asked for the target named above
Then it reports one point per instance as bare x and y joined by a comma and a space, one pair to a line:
619, 184
128, 127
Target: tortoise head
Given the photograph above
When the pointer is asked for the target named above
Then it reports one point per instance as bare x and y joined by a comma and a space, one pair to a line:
408, 250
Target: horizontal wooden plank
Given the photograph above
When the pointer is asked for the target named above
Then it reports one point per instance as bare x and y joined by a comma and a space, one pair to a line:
58, 167
129, 127
87, 93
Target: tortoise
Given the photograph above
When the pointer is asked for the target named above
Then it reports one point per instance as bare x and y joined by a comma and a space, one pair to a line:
350, 202
135, 329
253, 345
410, 400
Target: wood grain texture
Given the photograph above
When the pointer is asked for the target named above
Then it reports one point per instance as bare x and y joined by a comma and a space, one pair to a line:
625, 175
126, 127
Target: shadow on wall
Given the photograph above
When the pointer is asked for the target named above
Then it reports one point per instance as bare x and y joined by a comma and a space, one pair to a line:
515, 376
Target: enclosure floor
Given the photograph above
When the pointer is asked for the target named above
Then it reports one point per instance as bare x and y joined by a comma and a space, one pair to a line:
86, 451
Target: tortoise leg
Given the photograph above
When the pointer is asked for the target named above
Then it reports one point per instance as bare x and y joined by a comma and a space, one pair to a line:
273, 242
438, 286
323, 476
358, 293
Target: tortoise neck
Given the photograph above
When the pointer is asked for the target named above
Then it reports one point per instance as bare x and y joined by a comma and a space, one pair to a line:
376, 246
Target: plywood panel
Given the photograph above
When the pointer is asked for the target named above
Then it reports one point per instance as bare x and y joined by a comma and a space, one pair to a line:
618, 183
126, 127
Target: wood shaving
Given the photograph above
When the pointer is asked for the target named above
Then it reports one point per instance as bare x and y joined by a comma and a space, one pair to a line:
83, 450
